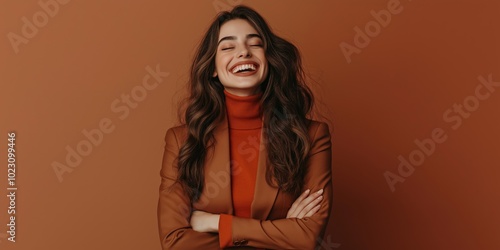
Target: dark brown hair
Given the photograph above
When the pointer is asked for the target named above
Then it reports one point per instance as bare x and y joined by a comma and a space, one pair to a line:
286, 103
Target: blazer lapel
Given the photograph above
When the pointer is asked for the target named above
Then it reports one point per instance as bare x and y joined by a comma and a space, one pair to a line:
218, 171
264, 195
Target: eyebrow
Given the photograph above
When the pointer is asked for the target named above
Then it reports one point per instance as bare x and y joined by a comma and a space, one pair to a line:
234, 38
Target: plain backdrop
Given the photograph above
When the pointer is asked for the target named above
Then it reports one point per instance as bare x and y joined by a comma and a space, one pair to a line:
65, 67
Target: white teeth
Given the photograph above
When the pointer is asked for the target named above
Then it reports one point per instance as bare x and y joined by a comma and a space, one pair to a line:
243, 67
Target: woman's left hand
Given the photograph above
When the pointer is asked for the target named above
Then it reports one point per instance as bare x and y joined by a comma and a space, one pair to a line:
204, 222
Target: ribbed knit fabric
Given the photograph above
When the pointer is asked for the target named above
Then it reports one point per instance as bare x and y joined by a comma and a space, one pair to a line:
245, 124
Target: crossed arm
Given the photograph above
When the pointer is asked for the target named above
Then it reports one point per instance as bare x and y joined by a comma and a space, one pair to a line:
302, 229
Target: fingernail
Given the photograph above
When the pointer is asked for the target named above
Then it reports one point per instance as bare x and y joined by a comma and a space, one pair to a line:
319, 198
307, 191
320, 191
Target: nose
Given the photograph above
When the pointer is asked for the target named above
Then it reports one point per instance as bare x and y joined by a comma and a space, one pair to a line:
244, 52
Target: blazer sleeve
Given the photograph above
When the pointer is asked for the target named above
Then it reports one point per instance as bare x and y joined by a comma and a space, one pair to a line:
174, 207
293, 233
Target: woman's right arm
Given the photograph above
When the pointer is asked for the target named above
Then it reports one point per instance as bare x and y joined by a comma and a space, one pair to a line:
174, 207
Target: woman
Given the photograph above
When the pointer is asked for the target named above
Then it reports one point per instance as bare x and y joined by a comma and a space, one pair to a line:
247, 168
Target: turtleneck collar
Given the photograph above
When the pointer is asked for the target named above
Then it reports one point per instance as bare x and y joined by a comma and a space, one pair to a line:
243, 112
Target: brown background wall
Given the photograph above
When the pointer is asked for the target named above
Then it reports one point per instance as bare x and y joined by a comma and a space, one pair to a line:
67, 75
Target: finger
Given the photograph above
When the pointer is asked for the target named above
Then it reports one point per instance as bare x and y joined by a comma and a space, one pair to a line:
310, 206
292, 212
313, 211
308, 200
293, 209
302, 197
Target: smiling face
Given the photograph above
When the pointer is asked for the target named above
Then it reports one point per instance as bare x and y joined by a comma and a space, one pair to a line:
240, 61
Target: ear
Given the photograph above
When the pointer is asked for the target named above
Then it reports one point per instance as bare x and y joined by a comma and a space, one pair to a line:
214, 74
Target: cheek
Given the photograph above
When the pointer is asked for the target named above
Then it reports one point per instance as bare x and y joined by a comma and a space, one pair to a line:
217, 62
266, 67
221, 62
263, 59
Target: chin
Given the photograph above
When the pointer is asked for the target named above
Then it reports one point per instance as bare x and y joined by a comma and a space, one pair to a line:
244, 85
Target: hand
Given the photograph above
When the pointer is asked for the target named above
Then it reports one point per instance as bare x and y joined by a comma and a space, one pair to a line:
306, 205
204, 222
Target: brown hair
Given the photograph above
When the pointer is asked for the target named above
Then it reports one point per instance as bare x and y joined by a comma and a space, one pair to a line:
285, 104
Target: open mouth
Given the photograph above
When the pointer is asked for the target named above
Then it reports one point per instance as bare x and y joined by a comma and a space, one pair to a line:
245, 69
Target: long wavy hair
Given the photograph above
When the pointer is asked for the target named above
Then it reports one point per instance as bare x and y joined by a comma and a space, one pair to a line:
286, 103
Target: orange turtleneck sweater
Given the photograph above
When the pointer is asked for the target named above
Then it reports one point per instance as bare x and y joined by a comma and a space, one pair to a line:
245, 123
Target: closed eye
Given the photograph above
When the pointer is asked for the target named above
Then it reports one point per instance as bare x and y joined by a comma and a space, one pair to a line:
228, 48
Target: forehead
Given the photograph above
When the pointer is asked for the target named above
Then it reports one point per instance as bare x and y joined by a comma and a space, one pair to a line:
236, 27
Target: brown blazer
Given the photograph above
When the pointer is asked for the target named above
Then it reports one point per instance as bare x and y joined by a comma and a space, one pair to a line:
268, 228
